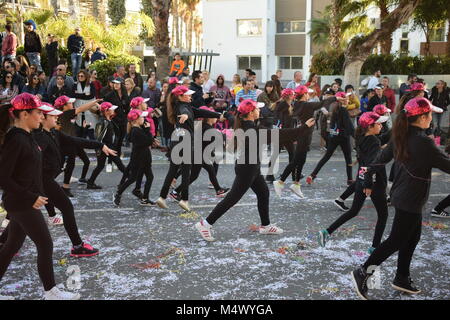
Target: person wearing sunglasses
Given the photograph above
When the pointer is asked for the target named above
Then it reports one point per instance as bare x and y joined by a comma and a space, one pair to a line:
35, 87
8, 90
61, 70
97, 84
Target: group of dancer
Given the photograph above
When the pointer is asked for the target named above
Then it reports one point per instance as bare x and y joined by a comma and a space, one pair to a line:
37, 138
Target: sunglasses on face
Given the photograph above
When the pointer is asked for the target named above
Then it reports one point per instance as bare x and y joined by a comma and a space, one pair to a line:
35, 78
8, 77
81, 76
59, 69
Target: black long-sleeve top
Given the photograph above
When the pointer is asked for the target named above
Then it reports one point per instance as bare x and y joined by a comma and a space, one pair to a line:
282, 114
141, 140
51, 143
197, 98
341, 123
368, 148
412, 179
123, 106
20, 170
110, 132
82, 96
375, 100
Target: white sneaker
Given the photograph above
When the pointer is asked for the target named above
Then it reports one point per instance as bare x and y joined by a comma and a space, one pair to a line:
278, 186
297, 190
56, 220
73, 180
109, 168
162, 203
210, 186
270, 229
184, 205
205, 231
5, 223
56, 294
6, 298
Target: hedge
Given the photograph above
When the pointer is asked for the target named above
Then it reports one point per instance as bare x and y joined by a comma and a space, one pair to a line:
332, 62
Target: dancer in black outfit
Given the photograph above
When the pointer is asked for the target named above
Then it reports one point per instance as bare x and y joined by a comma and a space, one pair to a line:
415, 154
107, 133
23, 196
368, 147
341, 129
181, 113
140, 159
248, 170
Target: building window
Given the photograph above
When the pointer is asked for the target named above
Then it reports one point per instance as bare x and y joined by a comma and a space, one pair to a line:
290, 63
291, 27
438, 33
405, 30
246, 62
249, 28
404, 47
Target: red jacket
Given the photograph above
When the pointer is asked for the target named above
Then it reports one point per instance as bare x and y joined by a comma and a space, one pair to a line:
390, 97
9, 45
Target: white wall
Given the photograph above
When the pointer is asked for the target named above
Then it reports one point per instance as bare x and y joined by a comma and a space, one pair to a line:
220, 34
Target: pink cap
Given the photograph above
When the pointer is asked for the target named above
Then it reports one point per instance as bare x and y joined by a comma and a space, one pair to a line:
182, 90
381, 109
174, 80
301, 90
105, 106
136, 102
369, 118
62, 101
340, 94
134, 114
419, 106
287, 92
25, 101
248, 105
417, 86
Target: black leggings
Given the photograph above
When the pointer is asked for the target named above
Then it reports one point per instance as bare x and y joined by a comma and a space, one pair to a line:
101, 160
132, 177
185, 178
70, 164
246, 178
59, 199
291, 150
443, 204
349, 191
29, 223
195, 172
404, 237
334, 142
295, 166
378, 197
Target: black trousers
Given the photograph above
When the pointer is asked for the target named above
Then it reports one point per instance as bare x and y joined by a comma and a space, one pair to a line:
295, 165
185, 179
134, 173
445, 203
349, 191
334, 142
404, 237
378, 198
195, 172
101, 160
29, 223
247, 177
70, 164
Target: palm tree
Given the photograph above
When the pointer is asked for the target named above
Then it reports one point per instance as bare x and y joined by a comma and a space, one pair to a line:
176, 24
198, 30
192, 8
161, 11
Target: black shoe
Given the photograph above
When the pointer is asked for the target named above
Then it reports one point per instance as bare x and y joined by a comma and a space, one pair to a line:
440, 213
175, 196
116, 199
93, 186
137, 193
85, 250
147, 203
404, 284
341, 205
82, 181
270, 178
360, 277
67, 192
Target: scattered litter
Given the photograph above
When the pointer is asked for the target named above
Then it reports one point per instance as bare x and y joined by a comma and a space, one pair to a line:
190, 215
62, 262
253, 228
435, 225
152, 264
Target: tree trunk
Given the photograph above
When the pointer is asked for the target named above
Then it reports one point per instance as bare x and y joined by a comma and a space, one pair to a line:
335, 27
176, 20
426, 47
448, 38
161, 9
55, 7
359, 48
386, 43
189, 31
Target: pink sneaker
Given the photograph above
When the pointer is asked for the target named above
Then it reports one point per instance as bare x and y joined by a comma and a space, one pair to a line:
86, 250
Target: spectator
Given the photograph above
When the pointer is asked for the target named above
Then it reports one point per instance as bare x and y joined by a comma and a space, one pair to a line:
35, 87
32, 69
221, 93
185, 73
60, 88
43, 79
313, 83
177, 67
135, 76
33, 46
372, 81
97, 84
131, 90
279, 74
298, 81
247, 92
98, 55
208, 83
252, 77
339, 82
335, 87
75, 44
404, 87
269, 97
378, 98
247, 73
236, 85
120, 72
186, 81
276, 84
353, 104
84, 92
61, 70
365, 100
18, 80
86, 59
9, 44
52, 53
152, 93
389, 94
22, 66
199, 98
108, 88
8, 90
440, 97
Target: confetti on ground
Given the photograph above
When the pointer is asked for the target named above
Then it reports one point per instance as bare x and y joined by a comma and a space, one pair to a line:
62, 262
190, 215
239, 250
147, 265
435, 225
253, 228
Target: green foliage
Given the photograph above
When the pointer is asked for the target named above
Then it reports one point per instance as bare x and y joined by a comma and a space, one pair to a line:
116, 11
107, 67
332, 62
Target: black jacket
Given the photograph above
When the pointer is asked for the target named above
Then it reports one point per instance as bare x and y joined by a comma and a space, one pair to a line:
376, 100
32, 42
340, 123
197, 97
83, 96
442, 99
282, 115
412, 179
367, 149
56, 92
52, 52
75, 44
20, 170
112, 131
122, 103
51, 143
141, 140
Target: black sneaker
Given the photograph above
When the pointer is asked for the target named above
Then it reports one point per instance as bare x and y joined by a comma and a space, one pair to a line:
222, 192
440, 213
82, 181
137, 193
175, 196
93, 186
341, 205
404, 284
360, 277
270, 178
67, 192
147, 203
116, 199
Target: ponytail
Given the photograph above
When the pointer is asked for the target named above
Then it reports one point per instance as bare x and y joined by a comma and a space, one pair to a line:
171, 101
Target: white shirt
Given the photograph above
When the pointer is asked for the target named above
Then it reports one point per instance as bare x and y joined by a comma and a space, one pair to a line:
373, 81
208, 85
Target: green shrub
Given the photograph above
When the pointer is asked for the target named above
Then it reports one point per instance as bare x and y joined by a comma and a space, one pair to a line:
107, 67
328, 62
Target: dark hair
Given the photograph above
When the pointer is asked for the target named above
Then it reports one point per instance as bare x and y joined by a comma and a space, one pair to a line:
249, 70
311, 76
196, 74
276, 83
405, 98
360, 132
411, 75
30, 79
8, 27
223, 80
349, 86
365, 94
244, 81
171, 102
325, 88
252, 73
86, 76
59, 76
5, 121
338, 81
177, 54
400, 135
273, 95
3, 80
62, 61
